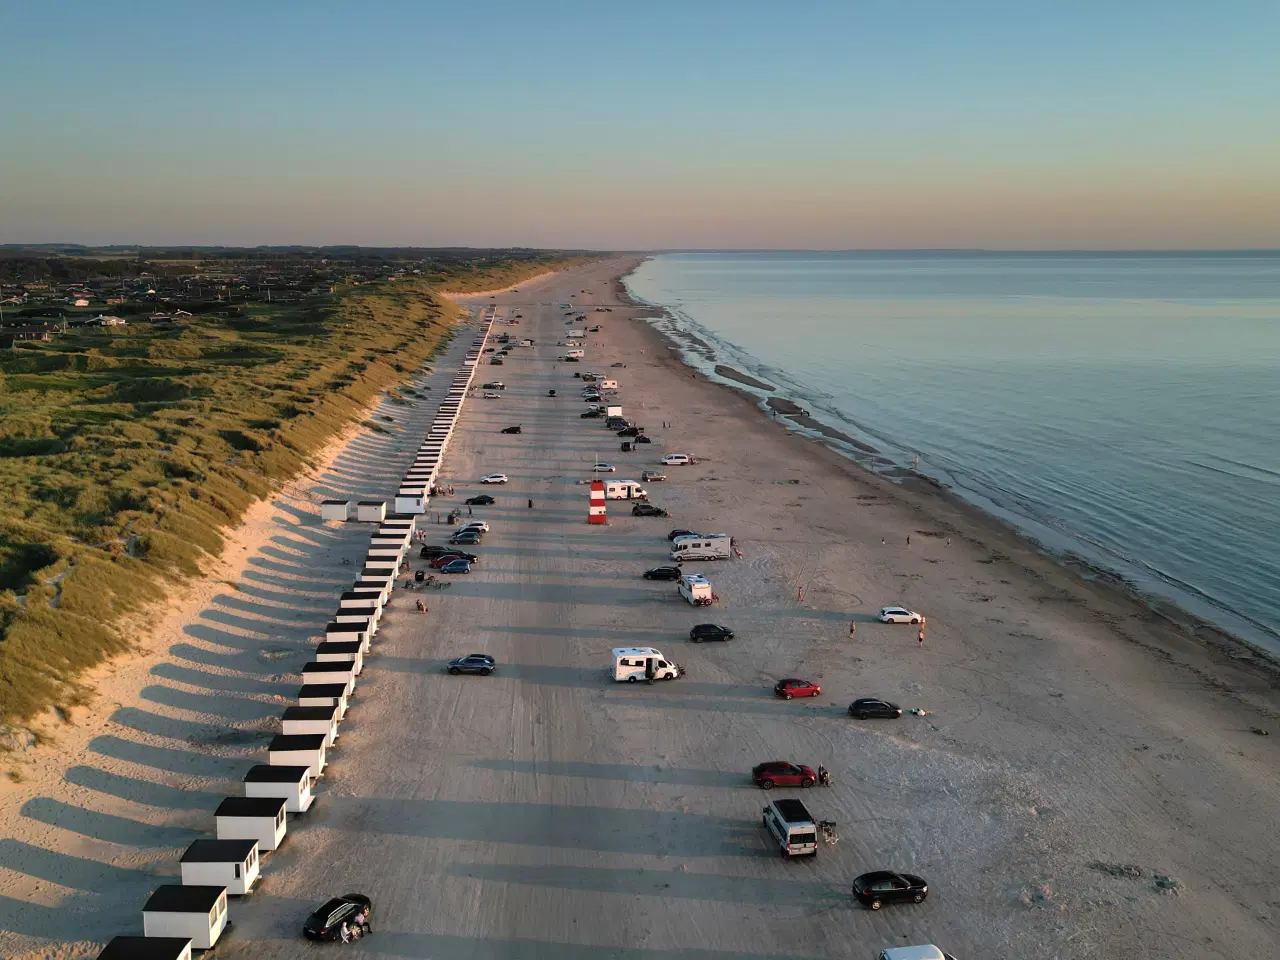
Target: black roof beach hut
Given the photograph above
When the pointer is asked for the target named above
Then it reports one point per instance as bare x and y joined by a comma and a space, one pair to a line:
324, 695
303, 720
289, 783
335, 510
226, 863
341, 651
252, 818
197, 913
147, 948
371, 511
298, 749
357, 609
352, 630
383, 587
329, 671
382, 573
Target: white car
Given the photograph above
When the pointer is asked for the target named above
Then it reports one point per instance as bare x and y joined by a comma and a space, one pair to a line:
678, 459
898, 615
491, 396
494, 478
474, 525
604, 468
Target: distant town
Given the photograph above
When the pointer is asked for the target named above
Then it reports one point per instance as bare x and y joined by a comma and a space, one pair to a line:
48, 291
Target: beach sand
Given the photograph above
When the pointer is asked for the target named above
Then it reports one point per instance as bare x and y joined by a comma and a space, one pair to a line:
1086, 782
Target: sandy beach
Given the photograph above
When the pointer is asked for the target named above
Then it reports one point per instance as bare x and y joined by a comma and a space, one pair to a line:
1087, 780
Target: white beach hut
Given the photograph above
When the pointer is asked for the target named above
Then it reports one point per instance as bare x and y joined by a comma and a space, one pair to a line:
371, 511
335, 510
292, 784
147, 948
296, 749
299, 721
329, 671
325, 695
223, 863
252, 818
196, 913
341, 651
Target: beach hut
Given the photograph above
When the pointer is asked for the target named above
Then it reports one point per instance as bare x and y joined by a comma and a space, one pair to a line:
300, 721
341, 651
371, 511
289, 783
381, 574
335, 510
357, 609
253, 818
412, 498
232, 864
348, 631
381, 587
329, 671
296, 749
198, 914
147, 948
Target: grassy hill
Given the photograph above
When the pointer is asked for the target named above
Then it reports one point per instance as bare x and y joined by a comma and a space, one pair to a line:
125, 453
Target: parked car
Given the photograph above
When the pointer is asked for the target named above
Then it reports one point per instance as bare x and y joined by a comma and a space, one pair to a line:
618, 364
480, 663
489, 349
643, 439
453, 554
898, 615
662, 573
515, 429
495, 362
873, 708
495, 385
590, 414
456, 566
793, 687
604, 468
681, 532
494, 478
710, 631
490, 395
432, 550
629, 432
570, 359
648, 475
482, 500
678, 459
884, 886
647, 510
325, 923
468, 538
782, 773
480, 525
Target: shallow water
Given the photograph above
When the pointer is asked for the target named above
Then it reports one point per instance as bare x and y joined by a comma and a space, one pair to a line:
1123, 407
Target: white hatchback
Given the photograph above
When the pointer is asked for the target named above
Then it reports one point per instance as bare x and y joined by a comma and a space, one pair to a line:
604, 468
474, 525
678, 459
899, 615
494, 478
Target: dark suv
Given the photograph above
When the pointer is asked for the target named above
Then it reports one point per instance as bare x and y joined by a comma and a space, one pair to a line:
326, 922
710, 631
480, 663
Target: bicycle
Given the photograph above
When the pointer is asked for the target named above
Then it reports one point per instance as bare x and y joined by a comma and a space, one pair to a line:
828, 828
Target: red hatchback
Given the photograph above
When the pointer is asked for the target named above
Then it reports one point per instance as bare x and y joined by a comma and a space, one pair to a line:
791, 687
444, 558
782, 773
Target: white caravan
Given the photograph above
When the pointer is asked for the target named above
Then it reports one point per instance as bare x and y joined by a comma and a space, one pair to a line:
702, 546
576, 353
624, 490
696, 589
633, 664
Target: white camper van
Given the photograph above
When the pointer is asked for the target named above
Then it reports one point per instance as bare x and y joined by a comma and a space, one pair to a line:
702, 546
633, 664
576, 353
624, 490
608, 384
613, 411
696, 589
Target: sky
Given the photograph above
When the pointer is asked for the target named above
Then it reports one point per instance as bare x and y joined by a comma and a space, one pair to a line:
860, 124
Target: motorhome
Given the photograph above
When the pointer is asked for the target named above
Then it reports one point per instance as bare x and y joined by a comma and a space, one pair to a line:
696, 589
624, 490
608, 384
614, 411
792, 826
633, 664
579, 354
702, 546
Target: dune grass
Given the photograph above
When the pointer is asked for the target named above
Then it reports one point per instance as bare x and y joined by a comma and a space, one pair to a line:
126, 455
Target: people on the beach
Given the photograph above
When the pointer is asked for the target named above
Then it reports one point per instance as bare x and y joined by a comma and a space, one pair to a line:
908, 539
422, 608
853, 629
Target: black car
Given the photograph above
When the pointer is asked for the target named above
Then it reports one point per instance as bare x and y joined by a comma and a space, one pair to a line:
871, 708
439, 552
681, 533
647, 510
480, 663
326, 922
515, 429
495, 385
433, 550
481, 500
565, 359
643, 439
885, 886
629, 432
662, 573
590, 414
495, 362
710, 631
469, 538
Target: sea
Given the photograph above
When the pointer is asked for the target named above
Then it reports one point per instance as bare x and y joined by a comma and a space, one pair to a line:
1120, 407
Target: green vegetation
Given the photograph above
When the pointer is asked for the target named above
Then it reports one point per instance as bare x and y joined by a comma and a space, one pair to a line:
126, 454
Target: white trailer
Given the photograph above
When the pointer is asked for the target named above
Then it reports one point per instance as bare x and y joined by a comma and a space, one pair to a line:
633, 664
613, 411
608, 384
702, 546
696, 589
624, 490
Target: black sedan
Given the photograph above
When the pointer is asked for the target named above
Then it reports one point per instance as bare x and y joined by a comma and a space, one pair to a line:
480, 663
662, 573
326, 922
681, 533
643, 439
885, 886
648, 510
467, 538
629, 432
710, 631
872, 708
432, 552
591, 414
482, 500
515, 429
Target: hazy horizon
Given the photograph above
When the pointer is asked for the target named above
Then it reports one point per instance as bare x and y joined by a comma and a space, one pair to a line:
890, 126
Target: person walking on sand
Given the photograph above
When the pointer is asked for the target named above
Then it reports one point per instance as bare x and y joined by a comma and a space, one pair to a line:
908, 539
923, 621
853, 629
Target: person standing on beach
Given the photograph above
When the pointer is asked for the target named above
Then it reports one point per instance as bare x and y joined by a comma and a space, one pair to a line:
921, 637
853, 629
908, 539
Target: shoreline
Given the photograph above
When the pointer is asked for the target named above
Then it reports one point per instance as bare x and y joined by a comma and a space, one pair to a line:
1088, 572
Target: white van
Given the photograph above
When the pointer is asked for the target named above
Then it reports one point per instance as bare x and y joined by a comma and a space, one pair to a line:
624, 490
613, 411
608, 384
792, 827
576, 353
696, 589
702, 546
926, 952
678, 459
632, 664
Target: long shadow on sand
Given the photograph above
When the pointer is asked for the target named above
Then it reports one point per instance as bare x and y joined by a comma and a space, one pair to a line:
430, 946
617, 771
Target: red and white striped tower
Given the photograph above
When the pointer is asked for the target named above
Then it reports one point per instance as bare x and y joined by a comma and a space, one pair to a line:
595, 513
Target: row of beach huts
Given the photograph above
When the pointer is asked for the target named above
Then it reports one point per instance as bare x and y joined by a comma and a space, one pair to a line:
181, 917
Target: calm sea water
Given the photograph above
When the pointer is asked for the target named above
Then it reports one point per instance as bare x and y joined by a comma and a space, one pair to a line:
1123, 407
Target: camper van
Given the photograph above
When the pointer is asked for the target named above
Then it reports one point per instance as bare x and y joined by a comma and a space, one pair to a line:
702, 546
614, 411
632, 664
792, 827
696, 589
608, 384
624, 490
579, 354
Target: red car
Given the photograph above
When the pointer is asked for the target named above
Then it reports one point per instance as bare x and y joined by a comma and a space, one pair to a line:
444, 558
791, 687
782, 773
